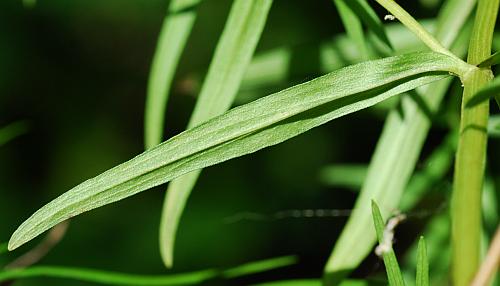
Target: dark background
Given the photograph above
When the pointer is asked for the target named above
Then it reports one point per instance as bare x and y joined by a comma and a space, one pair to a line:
76, 73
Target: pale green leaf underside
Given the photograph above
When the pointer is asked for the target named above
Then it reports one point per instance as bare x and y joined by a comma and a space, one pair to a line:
245, 129
173, 36
391, 264
232, 56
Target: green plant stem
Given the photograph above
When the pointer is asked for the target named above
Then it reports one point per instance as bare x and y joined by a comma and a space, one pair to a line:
471, 152
414, 26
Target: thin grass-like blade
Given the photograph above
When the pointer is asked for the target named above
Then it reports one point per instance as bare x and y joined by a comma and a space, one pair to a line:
422, 275
391, 264
173, 36
259, 266
246, 129
316, 282
367, 15
107, 277
353, 26
12, 130
117, 278
232, 56
395, 157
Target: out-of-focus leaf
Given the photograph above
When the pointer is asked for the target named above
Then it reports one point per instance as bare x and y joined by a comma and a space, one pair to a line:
107, 277
391, 263
3, 247
422, 276
317, 282
435, 168
173, 36
352, 25
437, 236
368, 16
233, 53
259, 266
246, 129
11, 131
494, 126
116, 278
347, 176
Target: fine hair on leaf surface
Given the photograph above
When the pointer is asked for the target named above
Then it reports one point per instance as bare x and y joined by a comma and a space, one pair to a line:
246, 129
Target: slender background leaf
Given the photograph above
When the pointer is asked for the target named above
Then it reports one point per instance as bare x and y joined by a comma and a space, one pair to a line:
232, 56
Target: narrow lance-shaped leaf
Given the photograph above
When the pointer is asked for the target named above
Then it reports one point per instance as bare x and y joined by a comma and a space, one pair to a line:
422, 274
173, 36
246, 129
391, 263
117, 278
394, 160
233, 53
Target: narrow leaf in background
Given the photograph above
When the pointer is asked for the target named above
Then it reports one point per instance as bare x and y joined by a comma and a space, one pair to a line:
246, 129
234, 51
116, 278
353, 27
173, 36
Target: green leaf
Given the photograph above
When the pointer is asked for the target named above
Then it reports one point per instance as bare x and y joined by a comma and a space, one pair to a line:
392, 163
11, 131
435, 169
391, 264
3, 247
353, 27
490, 61
492, 89
367, 15
259, 266
116, 278
494, 126
422, 264
246, 129
107, 277
437, 236
173, 36
232, 56
346, 176
315, 282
